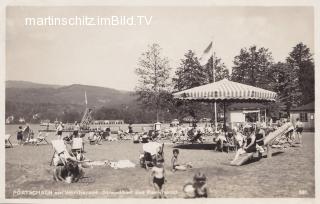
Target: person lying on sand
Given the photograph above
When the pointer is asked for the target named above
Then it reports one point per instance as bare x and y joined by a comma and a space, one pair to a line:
175, 165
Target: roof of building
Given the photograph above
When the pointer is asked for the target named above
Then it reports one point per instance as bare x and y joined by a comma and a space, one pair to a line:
246, 106
306, 107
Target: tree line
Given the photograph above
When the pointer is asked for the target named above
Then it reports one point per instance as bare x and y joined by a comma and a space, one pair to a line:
292, 80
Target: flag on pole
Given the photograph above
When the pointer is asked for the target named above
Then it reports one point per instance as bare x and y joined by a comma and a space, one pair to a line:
85, 98
206, 55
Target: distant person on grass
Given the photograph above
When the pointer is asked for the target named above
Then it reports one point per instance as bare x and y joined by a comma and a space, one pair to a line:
158, 179
76, 129
20, 135
59, 131
299, 129
130, 129
175, 165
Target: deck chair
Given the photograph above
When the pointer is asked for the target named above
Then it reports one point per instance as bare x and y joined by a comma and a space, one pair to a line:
7, 140
59, 148
77, 146
230, 144
41, 138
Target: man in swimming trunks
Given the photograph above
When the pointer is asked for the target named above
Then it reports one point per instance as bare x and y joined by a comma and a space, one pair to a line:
59, 130
299, 129
158, 179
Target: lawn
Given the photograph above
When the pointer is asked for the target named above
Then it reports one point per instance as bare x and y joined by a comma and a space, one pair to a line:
289, 173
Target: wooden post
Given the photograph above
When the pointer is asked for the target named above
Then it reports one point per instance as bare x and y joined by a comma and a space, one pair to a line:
269, 153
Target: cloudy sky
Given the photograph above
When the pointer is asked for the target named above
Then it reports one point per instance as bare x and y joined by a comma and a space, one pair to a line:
107, 55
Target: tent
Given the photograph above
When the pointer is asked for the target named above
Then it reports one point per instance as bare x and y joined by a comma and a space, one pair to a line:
226, 91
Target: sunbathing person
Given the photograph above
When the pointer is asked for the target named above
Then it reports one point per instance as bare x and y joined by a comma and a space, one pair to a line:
220, 140
260, 135
94, 138
175, 165
197, 137
158, 179
250, 143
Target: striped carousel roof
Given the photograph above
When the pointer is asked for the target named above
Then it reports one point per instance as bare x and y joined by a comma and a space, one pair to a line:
225, 90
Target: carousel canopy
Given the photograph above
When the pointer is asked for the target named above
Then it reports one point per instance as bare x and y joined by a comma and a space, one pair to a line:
225, 90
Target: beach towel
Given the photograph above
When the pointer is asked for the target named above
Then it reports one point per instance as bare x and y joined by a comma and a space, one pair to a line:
121, 164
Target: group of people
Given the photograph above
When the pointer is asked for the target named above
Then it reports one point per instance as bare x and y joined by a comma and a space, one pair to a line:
27, 136
158, 174
250, 138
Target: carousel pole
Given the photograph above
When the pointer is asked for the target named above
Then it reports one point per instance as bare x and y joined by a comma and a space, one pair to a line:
224, 118
214, 80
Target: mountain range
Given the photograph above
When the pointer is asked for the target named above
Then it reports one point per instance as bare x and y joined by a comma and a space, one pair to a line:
36, 93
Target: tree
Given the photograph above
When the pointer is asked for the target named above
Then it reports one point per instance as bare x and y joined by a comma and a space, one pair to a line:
251, 67
301, 65
190, 73
284, 82
220, 69
154, 73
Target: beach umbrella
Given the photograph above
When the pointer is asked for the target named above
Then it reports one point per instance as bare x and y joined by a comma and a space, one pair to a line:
226, 91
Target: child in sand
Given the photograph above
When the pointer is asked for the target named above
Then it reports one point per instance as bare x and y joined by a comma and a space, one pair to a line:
200, 186
158, 179
174, 162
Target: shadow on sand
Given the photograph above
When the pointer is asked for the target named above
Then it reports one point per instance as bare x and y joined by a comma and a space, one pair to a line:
255, 159
195, 146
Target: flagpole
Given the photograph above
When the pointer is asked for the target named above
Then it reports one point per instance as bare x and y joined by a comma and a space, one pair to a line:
86, 100
214, 80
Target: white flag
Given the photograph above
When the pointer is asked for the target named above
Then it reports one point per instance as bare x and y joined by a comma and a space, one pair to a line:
206, 55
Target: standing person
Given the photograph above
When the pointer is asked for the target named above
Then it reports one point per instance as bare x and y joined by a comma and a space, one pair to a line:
19, 135
59, 130
299, 129
158, 179
76, 129
130, 129
26, 133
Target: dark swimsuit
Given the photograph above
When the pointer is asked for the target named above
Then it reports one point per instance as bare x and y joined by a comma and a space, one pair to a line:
258, 137
158, 181
299, 129
19, 135
252, 148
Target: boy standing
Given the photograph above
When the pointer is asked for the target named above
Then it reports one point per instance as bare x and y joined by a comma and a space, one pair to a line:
158, 179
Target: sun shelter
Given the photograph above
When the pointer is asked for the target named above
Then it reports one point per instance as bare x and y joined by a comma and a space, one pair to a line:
226, 91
